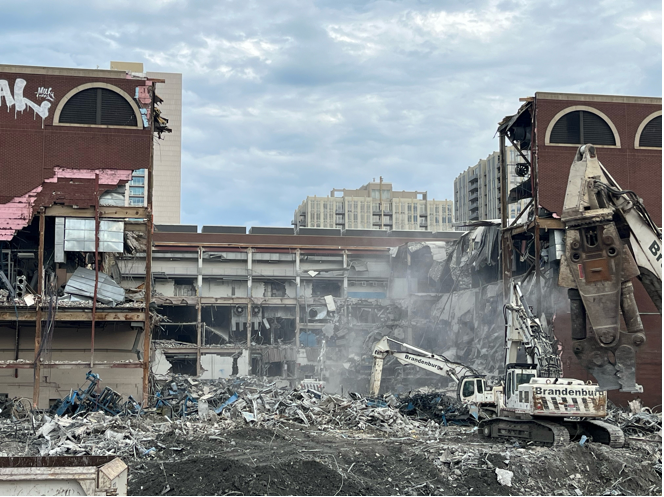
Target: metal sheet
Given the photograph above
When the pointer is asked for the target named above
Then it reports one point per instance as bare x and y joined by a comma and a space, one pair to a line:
79, 235
60, 239
82, 284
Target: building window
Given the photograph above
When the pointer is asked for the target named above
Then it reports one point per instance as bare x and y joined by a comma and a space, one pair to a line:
99, 106
137, 181
651, 135
136, 201
579, 127
136, 190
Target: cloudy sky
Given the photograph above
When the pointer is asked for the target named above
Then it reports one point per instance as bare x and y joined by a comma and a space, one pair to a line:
284, 99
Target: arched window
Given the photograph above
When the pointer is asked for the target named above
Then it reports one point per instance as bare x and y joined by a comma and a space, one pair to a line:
99, 106
651, 133
579, 127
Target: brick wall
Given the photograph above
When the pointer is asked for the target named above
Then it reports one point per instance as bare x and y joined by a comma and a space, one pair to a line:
634, 169
30, 148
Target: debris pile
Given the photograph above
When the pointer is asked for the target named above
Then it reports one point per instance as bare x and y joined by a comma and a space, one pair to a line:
88, 400
637, 422
252, 400
250, 435
438, 407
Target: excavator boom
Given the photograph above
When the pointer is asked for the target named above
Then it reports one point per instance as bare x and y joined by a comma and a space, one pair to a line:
421, 358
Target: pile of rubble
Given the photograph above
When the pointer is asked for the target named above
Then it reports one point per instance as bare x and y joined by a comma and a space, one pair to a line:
266, 404
637, 422
193, 408
80, 425
438, 407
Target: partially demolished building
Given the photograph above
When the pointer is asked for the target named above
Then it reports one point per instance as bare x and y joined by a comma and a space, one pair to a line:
301, 305
70, 141
270, 303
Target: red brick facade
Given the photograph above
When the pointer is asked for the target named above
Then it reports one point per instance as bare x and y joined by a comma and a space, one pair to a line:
634, 169
31, 148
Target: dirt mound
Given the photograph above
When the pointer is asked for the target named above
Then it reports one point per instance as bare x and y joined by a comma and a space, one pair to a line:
221, 476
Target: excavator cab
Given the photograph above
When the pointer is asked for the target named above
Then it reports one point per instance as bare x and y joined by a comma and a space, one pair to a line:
473, 389
516, 375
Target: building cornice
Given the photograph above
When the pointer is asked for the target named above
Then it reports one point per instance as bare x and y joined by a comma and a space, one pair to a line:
582, 97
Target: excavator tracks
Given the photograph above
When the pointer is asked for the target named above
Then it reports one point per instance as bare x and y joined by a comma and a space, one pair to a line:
550, 432
604, 433
545, 432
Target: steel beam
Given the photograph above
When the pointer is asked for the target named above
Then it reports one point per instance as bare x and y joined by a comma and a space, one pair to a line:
147, 328
70, 365
33, 315
104, 211
38, 314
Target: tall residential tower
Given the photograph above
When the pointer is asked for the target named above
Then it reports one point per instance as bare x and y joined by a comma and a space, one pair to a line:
477, 189
375, 206
167, 150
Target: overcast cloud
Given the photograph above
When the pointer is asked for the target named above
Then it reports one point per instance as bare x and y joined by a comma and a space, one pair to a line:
293, 98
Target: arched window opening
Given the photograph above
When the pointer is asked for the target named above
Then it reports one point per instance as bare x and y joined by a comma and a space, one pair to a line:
98, 106
580, 127
651, 136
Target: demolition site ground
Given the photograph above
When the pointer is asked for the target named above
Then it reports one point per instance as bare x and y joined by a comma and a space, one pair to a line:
297, 460
247, 436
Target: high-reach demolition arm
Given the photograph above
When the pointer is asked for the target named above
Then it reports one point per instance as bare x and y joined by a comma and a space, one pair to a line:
610, 239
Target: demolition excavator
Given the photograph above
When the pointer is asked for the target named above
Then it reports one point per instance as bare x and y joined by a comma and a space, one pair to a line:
471, 386
533, 403
538, 404
609, 239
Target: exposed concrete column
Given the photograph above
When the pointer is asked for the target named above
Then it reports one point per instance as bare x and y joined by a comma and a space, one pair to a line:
249, 272
505, 240
297, 273
345, 290
199, 291
199, 333
200, 270
249, 335
297, 298
408, 270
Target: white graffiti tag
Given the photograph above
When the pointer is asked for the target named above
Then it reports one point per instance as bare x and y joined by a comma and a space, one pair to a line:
19, 102
45, 93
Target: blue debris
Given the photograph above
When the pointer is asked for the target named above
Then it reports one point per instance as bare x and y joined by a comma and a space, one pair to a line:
231, 400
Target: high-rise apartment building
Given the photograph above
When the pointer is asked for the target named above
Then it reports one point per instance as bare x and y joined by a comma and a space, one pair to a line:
375, 206
477, 189
167, 150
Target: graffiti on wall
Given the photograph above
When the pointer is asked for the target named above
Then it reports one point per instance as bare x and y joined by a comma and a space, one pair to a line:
45, 93
19, 102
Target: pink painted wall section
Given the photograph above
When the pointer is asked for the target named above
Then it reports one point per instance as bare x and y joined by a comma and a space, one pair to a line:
106, 176
17, 213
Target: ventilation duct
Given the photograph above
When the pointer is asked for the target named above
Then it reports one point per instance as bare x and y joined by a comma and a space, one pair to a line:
317, 313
